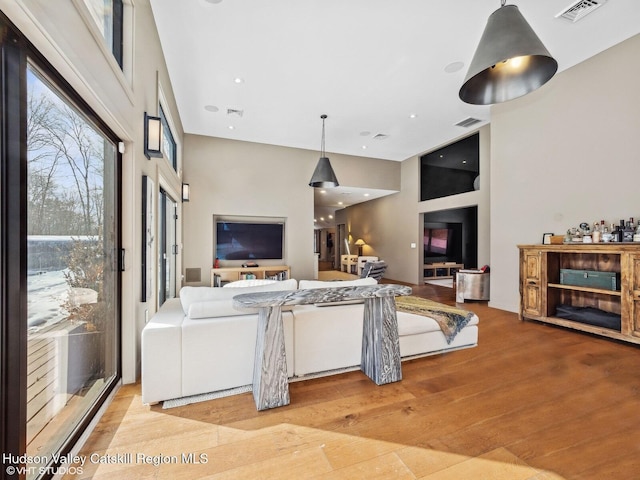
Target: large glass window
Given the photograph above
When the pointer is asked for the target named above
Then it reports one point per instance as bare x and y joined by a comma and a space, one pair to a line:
169, 147
59, 281
108, 17
71, 266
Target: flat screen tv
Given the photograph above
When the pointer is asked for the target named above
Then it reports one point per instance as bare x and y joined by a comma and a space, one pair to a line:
442, 242
436, 241
239, 240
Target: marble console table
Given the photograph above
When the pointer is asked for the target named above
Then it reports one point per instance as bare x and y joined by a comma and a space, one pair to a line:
380, 342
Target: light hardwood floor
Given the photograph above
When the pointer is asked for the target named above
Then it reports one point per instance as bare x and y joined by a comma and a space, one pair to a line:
530, 402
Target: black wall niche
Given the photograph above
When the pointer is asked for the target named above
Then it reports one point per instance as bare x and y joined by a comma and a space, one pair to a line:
450, 170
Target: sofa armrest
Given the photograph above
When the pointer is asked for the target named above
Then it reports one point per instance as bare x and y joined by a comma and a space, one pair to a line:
162, 354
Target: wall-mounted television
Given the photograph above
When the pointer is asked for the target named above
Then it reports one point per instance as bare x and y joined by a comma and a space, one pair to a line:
436, 241
451, 236
249, 239
442, 242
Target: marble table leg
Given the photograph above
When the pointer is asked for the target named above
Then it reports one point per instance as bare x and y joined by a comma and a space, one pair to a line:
380, 341
270, 382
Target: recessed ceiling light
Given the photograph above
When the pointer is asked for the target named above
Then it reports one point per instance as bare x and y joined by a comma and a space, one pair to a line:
367, 194
331, 216
454, 67
464, 161
211, 108
413, 115
231, 127
364, 147
340, 203
315, 219
323, 191
322, 219
238, 80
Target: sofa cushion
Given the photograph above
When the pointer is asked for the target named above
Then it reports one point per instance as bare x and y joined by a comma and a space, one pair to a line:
211, 302
412, 324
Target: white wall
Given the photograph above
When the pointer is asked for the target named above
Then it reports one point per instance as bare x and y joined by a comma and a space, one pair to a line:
565, 154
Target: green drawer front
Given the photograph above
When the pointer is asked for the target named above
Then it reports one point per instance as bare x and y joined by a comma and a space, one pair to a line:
590, 278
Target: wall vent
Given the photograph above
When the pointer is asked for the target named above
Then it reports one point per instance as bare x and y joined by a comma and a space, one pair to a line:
578, 10
233, 111
467, 122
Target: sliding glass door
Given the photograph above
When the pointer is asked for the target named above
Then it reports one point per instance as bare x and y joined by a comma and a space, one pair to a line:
66, 334
167, 247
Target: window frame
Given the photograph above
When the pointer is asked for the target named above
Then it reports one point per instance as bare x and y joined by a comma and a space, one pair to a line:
167, 134
116, 26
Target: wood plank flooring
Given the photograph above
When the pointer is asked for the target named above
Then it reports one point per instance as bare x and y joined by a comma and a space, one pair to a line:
530, 402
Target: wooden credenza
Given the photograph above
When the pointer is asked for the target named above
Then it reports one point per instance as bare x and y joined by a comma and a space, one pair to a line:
231, 274
541, 290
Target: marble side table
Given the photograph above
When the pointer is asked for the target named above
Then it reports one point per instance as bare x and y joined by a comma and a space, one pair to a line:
380, 342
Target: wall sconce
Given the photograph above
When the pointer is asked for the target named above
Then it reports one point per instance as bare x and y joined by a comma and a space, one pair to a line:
152, 136
185, 192
360, 243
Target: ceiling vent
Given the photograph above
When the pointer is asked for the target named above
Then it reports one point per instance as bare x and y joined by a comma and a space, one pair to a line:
578, 10
232, 111
380, 136
468, 122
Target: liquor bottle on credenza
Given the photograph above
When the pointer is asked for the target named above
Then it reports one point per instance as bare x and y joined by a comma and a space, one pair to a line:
627, 233
616, 232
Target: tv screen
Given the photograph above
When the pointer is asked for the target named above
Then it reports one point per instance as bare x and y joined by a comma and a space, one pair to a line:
442, 242
436, 241
249, 241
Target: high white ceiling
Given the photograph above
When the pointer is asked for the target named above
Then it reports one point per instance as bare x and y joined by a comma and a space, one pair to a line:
370, 65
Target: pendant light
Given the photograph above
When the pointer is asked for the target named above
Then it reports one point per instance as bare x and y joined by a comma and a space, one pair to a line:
323, 176
510, 60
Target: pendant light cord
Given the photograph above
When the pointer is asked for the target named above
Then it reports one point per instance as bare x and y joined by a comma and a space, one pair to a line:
322, 154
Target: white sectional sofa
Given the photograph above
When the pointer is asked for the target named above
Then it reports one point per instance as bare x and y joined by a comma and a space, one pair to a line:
199, 343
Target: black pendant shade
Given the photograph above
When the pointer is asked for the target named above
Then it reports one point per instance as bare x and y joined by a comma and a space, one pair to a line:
510, 61
323, 176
